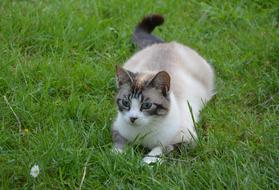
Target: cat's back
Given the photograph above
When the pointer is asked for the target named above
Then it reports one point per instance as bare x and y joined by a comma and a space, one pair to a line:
153, 58
178, 60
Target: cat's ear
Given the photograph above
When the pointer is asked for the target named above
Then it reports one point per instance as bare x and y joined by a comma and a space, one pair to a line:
123, 76
161, 81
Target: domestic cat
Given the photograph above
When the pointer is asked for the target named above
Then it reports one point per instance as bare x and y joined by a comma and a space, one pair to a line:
155, 88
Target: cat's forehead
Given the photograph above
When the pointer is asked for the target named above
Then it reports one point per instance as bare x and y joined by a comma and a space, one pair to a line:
139, 89
139, 84
141, 80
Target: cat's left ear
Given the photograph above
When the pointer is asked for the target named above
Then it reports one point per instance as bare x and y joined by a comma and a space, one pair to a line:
161, 81
123, 76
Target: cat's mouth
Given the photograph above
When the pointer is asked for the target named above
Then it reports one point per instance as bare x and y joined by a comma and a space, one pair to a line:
135, 124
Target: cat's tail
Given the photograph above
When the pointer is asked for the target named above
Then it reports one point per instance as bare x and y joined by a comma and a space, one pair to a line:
142, 36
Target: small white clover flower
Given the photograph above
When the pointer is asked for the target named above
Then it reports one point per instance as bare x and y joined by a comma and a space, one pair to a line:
35, 171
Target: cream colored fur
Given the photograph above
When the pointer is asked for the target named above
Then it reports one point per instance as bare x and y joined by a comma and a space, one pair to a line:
192, 80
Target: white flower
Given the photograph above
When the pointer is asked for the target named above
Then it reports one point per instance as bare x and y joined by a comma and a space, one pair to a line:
35, 171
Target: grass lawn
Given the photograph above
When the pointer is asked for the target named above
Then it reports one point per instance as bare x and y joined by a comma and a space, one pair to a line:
57, 62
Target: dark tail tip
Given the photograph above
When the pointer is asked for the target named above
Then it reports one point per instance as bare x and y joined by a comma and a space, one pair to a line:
149, 22
142, 36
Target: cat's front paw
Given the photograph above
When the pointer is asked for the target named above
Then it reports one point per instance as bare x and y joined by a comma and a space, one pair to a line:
151, 159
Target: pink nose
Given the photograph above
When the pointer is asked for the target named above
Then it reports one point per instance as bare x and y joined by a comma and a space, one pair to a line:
133, 119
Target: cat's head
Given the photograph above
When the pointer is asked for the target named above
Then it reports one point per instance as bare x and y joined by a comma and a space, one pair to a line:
142, 98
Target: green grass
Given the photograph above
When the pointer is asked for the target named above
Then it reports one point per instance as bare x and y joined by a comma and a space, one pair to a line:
57, 61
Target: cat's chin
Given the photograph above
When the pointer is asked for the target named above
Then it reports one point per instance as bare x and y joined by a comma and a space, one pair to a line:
133, 124
136, 125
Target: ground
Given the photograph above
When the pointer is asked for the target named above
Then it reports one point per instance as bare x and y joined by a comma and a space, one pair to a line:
57, 88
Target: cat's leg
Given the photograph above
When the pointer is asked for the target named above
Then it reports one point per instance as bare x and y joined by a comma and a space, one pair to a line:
154, 155
119, 141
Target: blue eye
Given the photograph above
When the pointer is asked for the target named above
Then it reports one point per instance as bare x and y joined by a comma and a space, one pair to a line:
125, 103
146, 105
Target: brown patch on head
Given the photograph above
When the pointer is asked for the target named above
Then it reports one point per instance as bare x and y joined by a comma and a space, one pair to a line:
142, 79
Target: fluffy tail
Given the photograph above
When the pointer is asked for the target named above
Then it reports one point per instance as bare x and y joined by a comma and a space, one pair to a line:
142, 36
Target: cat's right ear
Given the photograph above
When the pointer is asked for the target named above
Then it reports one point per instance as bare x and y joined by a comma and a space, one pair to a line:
123, 76
161, 81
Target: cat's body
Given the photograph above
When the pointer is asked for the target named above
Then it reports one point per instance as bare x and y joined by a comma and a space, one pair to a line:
164, 78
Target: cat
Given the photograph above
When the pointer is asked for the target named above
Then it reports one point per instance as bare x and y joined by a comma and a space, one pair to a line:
157, 88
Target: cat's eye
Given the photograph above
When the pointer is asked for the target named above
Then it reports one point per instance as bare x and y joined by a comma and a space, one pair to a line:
125, 103
146, 105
